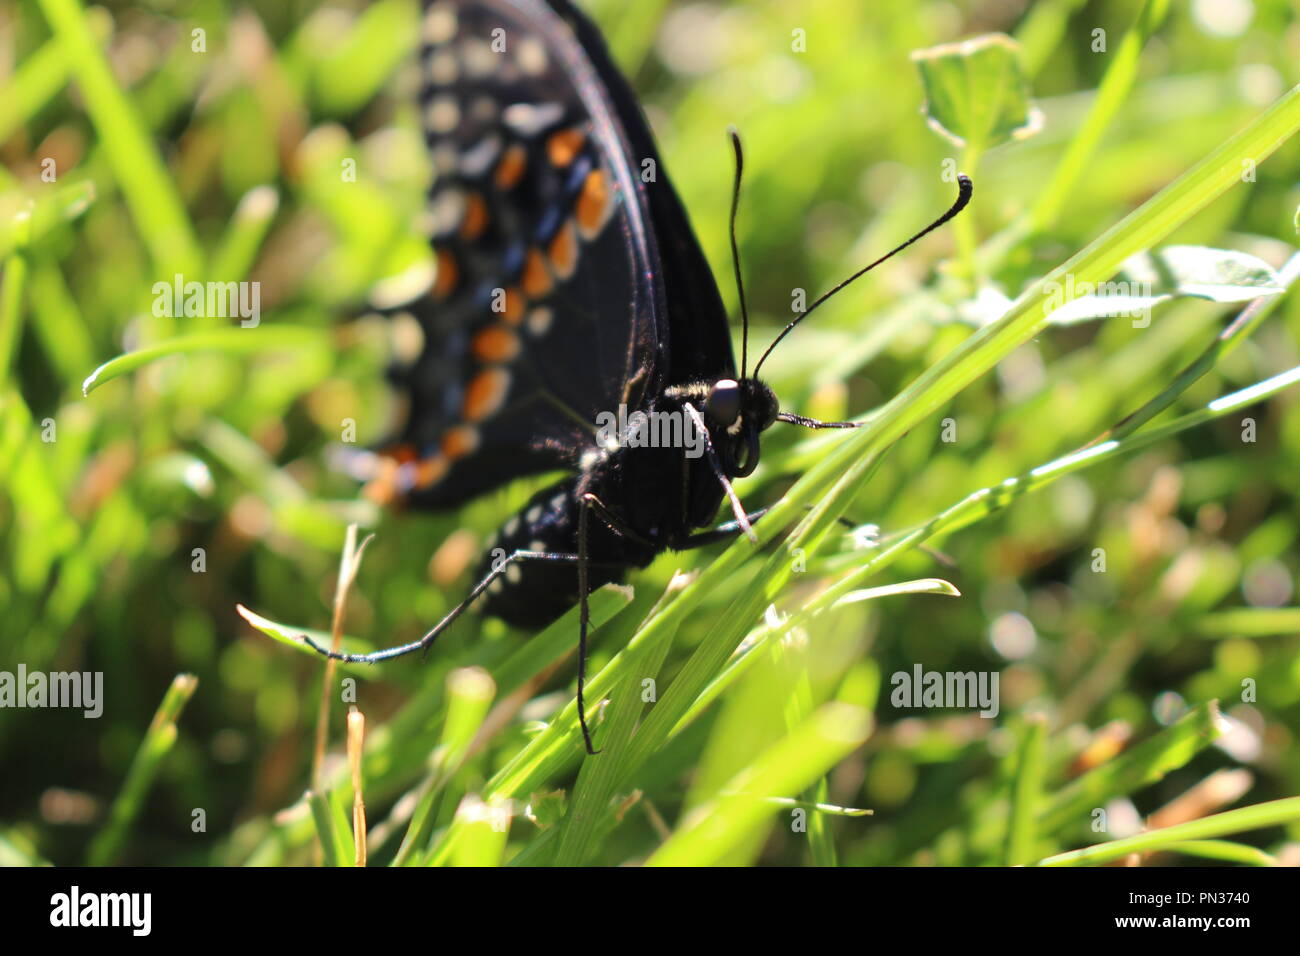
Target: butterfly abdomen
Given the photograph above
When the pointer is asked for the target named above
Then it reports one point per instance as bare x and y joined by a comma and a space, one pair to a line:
531, 593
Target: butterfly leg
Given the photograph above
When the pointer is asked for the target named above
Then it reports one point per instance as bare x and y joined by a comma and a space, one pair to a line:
729, 529
584, 617
614, 522
742, 520
814, 423
427, 640
723, 532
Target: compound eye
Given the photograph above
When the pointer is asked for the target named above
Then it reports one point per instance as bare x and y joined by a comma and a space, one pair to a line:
723, 403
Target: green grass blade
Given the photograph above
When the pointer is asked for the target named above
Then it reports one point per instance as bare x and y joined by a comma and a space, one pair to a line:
157, 743
231, 341
1223, 850
1271, 814
1112, 94
1144, 764
986, 501
598, 779
789, 766
1249, 622
140, 172
1027, 791
235, 254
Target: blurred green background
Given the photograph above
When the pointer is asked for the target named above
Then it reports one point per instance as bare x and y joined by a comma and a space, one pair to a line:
224, 162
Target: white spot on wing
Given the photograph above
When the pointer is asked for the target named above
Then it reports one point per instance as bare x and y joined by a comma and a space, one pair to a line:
439, 23
530, 120
444, 212
532, 56
478, 159
442, 114
443, 68
539, 320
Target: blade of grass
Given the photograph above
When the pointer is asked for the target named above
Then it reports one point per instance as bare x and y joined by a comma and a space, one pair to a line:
597, 779
238, 248
986, 501
1273, 813
349, 564
486, 827
230, 341
829, 486
1146, 763
331, 828
791, 765
1026, 791
798, 706
1236, 332
1112, 94
148, 188
1249, 622
14, 280
1225, 851
1040, 32
292, 636
157, 743
58, 322
470, 691
356, 744
25, 219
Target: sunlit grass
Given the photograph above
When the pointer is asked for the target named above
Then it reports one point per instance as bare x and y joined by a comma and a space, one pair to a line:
747, 713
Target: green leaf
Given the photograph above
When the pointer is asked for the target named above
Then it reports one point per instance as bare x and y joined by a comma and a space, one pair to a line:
1220, 275
976, 92
1149, 278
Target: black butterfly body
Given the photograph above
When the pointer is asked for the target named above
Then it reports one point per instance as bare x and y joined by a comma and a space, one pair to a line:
528, 137
568, 288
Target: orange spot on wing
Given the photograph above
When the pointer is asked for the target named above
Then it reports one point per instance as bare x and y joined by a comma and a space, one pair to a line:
382, 489
447, 275
513, 311
485, 394
593, 204
459, 442
562, 147
564, 251
400, 453
496, 343
430, 470
475, 219
537, 281
511, 167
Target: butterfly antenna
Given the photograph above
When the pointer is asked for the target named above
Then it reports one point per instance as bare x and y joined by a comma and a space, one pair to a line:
735, 250
964, 189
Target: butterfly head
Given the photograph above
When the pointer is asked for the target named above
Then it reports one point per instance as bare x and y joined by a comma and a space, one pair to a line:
738, 411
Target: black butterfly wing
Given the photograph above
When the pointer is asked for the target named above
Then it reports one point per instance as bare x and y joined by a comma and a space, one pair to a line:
698, 341
551, 300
